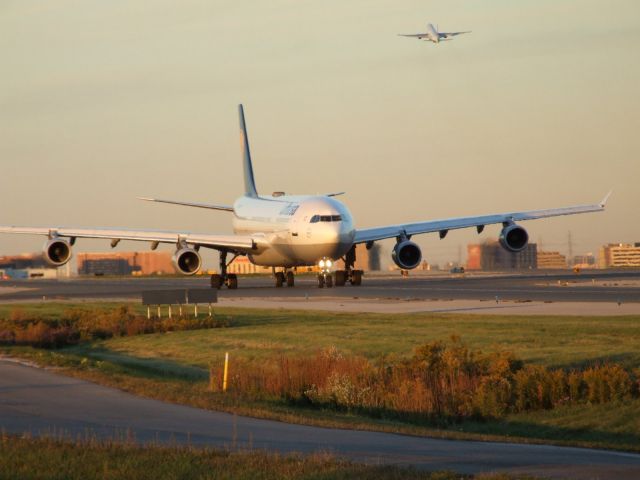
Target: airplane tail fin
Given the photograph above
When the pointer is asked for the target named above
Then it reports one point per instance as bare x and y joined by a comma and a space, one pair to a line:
249, 182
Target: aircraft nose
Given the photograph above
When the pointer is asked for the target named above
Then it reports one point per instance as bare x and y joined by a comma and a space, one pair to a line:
333, 234
345, 233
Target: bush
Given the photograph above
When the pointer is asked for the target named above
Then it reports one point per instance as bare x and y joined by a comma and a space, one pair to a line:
78, 325
441, 382
607, 382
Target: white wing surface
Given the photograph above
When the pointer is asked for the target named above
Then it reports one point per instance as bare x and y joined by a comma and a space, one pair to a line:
451, 34
443, 226
414, 35
236, 243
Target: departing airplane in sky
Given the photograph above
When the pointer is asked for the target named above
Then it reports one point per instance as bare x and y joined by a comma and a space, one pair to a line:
286, 231
433, 35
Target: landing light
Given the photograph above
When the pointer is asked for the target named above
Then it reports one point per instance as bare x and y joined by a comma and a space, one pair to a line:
328, 263
321, 263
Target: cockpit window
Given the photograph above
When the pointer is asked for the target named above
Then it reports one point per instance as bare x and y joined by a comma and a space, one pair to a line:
325, 218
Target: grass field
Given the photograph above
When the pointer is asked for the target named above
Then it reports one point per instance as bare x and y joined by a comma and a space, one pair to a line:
554, 341
174, 366
48, 459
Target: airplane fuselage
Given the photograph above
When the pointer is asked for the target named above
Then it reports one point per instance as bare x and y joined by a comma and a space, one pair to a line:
292, 231
432, 34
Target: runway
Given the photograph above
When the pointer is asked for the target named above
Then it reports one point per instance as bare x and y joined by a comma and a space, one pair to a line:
39, 401
596, 286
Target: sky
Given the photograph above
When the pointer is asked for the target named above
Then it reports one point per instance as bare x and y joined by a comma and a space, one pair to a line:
539, 107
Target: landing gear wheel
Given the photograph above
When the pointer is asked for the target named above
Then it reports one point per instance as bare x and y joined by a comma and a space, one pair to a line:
279, 279
356, 278
328, 280
232, 281
341, 278
320, 281
216, 281
290, 279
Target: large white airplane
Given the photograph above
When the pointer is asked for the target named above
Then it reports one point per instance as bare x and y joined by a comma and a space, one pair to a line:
433, 35
286, 231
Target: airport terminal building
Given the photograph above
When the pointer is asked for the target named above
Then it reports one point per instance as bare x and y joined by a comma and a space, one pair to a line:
617, 255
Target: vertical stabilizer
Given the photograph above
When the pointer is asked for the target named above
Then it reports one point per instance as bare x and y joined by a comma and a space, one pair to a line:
249, 182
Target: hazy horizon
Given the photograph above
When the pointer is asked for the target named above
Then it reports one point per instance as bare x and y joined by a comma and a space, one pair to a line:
538, 107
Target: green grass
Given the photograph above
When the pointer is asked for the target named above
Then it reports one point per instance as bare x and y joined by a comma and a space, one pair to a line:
49, 459
174, 366
554, 341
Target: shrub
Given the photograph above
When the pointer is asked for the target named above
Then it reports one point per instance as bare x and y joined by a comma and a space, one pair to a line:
80, 324
607, 382
441, 382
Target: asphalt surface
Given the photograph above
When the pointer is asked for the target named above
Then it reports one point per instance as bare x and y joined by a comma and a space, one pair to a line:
41, 402
564, 287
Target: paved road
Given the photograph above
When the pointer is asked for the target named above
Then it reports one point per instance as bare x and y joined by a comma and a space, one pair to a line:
539, 287
40, 401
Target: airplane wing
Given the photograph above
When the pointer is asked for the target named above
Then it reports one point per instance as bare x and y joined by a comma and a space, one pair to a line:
451, 34
413, 35
443, 226
235, 243
189, 204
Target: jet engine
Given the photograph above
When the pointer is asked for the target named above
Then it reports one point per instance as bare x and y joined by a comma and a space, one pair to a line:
56, 252
406, 255
514, 238
187, 261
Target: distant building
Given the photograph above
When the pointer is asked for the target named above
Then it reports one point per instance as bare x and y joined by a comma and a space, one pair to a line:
585, 261
491, 256
242, 265
124, 263
23, 261
26, 265
551, 260
619, 255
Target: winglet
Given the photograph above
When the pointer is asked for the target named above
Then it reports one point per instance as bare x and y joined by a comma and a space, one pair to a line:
604, 200
249, 182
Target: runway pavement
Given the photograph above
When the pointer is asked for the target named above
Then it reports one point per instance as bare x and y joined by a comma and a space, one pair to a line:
42, 402
612, 287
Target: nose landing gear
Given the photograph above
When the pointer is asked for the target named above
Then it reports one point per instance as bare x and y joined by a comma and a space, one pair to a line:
325, 280
324, 276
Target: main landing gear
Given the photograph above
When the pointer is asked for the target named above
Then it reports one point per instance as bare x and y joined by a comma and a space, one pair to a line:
224, 278
349, 274
284, 277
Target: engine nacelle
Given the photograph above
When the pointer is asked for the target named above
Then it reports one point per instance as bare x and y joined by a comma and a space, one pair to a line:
406, 255
187, 261
514, 238
56, 252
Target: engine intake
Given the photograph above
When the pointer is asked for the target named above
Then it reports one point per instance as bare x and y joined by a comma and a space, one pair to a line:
514, 238
187, 261
407, 255
56, 252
